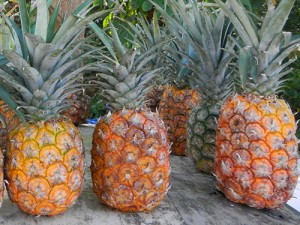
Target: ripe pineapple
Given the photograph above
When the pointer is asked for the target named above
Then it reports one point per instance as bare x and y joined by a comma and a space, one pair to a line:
256, 159
11, 122
207, 34
79, 111
154, 96
179, 97
174, 108
45, 157
130, 154
2, 123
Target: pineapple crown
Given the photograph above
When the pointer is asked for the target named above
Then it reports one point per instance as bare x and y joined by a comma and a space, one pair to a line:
145, 34
262, 59
43, 70
128, 71
6, 39
202, 47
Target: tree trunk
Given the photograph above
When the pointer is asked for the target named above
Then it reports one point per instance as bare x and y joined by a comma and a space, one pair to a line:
67, 6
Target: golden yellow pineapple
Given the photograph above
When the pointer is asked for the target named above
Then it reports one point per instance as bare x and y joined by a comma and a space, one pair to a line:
45, 166
45, 155
257, 157
130, 154
174, 109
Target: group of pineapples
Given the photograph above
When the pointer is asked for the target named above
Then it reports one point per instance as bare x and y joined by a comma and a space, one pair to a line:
237, 130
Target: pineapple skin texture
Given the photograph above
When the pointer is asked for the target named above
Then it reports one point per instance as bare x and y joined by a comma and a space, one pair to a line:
1, 177
45, 166
154, 96
174, 109
130, 160
256, 157
201, 136
79, 111
12, 121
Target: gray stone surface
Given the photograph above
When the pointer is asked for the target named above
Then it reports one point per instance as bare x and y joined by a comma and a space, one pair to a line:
192, 200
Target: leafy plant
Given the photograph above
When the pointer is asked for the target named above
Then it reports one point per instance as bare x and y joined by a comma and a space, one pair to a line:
98, 107
292, 88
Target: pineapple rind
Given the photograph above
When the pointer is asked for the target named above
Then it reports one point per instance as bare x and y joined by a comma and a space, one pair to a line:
45, 166
130, 160
201, 135
257, 151
174, 109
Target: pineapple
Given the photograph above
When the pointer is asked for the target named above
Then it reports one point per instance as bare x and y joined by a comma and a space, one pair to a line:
45, 157
256, 158
154, 96
11, 122
2, 122
130, 153
79, 111
179, 97
210, 71
147, 34
174, 108
10, 118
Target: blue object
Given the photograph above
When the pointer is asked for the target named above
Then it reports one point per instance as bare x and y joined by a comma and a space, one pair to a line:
92, 121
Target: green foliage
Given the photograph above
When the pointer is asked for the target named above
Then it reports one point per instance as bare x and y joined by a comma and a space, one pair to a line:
97, 107
292, 94
126, 9
292, 88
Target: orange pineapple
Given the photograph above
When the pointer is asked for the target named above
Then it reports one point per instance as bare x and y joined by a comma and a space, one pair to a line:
79, 110
256, 158
11, 122
130, 154
174, 109
2, 123
180, 96
154, 96
45, 155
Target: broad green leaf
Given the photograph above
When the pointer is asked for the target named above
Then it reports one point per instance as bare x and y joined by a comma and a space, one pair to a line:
147, 6
276, 23
31, 76
42, 18
10, 82
107, 41
24, 16
52, 23
69, 33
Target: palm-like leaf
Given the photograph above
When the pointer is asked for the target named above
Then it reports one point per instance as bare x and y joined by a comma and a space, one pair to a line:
264, 48
201, 47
